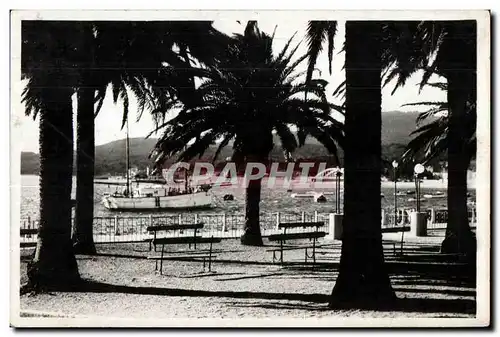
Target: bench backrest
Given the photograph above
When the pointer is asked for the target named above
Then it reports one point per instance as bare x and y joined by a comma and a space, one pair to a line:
174, 227
296, 236
300, 224
186, 239
27, 231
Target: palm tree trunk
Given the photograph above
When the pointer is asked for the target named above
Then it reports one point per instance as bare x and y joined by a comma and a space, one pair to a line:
363, 279
459, 237
252, 235
460, 54
54, 265
85, 148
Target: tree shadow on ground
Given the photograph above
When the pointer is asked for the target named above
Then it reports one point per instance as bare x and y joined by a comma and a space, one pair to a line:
98, 287
457, 292
421, 305
425, 305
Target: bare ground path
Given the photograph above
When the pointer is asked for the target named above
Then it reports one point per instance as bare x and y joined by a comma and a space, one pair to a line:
244, 283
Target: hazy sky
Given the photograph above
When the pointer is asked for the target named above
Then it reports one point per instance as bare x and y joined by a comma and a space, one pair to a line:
108, 121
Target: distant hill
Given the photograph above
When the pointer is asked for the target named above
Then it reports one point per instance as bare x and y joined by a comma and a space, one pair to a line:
30, 163
110, 157
397, 127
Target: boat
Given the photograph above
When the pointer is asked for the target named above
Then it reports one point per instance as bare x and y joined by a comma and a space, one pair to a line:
303, 195
157, 197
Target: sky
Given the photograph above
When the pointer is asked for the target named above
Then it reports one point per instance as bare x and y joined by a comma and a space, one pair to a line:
108, 122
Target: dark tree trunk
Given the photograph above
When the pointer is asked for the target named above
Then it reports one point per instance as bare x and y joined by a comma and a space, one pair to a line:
459, 52
54, 265
84, 211
363, 280
85, 148
252, 235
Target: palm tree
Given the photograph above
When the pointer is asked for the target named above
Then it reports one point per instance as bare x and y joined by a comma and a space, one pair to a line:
83, 238
250, 95
430, 139
114, 54
363, 279
48, 63
448, 49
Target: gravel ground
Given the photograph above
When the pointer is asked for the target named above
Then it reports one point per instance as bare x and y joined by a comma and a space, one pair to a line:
243, 283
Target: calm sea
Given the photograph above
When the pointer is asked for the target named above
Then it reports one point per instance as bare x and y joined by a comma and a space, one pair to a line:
273, 200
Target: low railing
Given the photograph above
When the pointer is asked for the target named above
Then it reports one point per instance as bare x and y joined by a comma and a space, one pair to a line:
134, 229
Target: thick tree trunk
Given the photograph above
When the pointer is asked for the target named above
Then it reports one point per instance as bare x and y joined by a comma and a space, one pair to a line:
84, 211
460, 54
363, 280
54, 265
85, 148
252, 235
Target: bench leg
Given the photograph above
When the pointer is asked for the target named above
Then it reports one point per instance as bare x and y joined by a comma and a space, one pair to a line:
314, 251
210, 256
277, 258
161, 261
281, 252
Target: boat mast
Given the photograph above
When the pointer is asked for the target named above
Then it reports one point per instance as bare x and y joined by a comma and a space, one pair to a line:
127, 154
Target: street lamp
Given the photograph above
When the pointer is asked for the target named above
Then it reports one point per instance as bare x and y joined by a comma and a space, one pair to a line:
418, 169
338, 174
395, 167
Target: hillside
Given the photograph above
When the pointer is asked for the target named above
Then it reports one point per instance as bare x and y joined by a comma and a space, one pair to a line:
110, 157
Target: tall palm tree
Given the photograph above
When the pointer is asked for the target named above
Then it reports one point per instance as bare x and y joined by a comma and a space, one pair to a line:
130, 56
448, 49
83, 237
48, 63
430, 139
363, 278
250, 95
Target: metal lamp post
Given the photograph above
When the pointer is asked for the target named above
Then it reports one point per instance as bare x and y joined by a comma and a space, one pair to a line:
395, 167
338, 174
418, 169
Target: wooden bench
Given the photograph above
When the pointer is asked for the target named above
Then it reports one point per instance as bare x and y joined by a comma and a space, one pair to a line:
394, 229
181, 227
311, 235
192, 256
28, 231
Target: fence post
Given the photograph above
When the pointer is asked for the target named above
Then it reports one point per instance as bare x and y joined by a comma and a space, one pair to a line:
432, 219
196, 218
315, 216
473, 216
180, 218
117, 230
277, 220
224, 225
150, 220
303, 216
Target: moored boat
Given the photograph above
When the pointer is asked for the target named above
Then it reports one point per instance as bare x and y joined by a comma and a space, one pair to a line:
158, 198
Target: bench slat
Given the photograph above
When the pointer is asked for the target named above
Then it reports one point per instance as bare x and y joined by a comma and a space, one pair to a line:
26, 231
174, 227
396, 229
300, 224
173, 257
295, 236
185, 239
